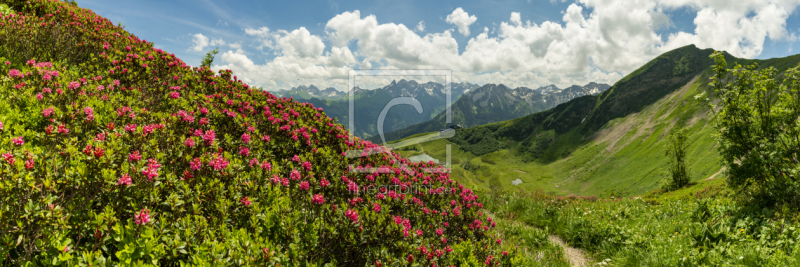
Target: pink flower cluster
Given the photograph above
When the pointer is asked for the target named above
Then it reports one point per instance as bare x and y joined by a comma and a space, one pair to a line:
89, 112
151, 171
47, 112
218, 162
124, 180
18, 141
245, 201
318, 199
352, 214
143, 217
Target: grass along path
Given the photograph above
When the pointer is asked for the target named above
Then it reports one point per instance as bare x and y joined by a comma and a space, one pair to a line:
575, 256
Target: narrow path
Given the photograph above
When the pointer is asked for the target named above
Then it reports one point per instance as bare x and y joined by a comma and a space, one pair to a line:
575, 256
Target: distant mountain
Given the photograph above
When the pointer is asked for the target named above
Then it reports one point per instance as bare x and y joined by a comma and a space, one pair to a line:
369, 104
492, 103
311, 91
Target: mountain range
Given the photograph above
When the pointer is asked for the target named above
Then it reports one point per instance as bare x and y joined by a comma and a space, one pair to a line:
608, 144
492, 103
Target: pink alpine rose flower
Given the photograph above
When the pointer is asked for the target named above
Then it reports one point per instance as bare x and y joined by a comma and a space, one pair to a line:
29, 164
318, 199
47, 112
18, 141
189, 142
124, 180
143, 217
245, 201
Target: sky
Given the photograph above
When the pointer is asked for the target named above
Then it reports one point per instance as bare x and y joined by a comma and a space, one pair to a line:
526, 43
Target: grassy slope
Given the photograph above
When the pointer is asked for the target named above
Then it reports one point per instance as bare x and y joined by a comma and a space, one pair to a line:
623, 157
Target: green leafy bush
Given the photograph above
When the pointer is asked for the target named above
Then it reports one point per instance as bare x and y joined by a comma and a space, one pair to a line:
678, 171
759, 130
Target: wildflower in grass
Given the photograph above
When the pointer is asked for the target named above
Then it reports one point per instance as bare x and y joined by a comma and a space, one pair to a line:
100, 137
304, 185
307, 165
189, 142
246, 138
318, 199
39, 97
99, 152
439, 232
499, 241
18, 141
125, 179
489, 259
265, 138
173, 95
1, 125
130, 127
245, 201
376, 207
324, 182
143, 217
296, 158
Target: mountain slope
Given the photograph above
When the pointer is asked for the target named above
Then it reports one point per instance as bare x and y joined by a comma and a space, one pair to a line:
609, 144
492, 103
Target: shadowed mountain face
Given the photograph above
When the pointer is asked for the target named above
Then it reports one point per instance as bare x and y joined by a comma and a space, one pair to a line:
492, 103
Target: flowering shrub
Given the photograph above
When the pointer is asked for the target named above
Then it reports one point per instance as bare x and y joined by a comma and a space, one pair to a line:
268, 185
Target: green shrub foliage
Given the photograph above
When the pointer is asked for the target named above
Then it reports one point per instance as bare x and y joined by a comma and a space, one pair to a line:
116, 152
677, 171
759, 130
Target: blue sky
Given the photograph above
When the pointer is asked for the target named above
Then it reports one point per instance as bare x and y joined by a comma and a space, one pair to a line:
280, 44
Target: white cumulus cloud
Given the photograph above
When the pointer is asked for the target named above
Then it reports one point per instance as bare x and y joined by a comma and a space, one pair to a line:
462, 20
200, 41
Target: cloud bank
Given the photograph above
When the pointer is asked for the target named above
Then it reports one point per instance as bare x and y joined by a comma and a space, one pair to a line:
603, 45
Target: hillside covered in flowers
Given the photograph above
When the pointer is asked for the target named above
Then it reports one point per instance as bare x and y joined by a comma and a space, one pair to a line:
116, 152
